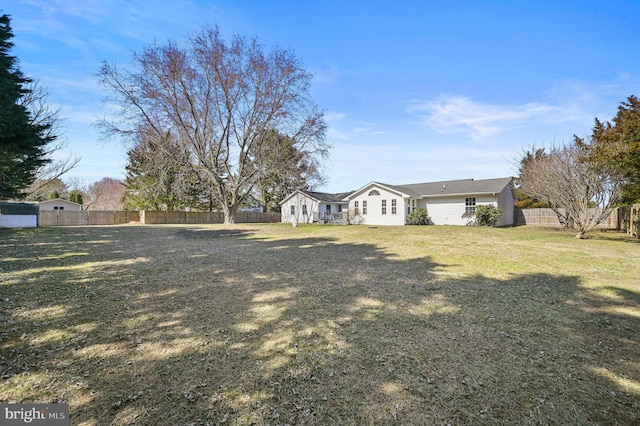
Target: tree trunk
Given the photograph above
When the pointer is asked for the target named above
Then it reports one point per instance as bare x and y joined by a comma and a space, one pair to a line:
230, 213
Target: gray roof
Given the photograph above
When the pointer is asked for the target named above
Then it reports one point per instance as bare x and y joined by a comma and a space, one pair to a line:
454, 187
326, 197
427, 189
449, 187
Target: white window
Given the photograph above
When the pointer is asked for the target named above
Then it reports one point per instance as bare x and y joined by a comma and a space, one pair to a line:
364, 207
384, 206
470, 205
394, 209
293, 209
304, 209
356, 208
374, 192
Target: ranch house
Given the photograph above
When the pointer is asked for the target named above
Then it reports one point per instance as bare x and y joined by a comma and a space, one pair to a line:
447, 202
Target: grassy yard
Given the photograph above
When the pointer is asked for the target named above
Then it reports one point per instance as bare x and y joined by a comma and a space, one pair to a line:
270, 324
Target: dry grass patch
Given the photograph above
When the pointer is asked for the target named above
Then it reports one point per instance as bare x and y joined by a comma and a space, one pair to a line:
269, 324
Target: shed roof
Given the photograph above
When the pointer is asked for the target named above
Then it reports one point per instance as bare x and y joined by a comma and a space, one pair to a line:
58, 200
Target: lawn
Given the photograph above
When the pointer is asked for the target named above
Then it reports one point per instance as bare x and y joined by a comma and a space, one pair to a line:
270, 324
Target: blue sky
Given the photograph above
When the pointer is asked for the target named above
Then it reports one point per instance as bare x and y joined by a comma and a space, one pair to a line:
414, 91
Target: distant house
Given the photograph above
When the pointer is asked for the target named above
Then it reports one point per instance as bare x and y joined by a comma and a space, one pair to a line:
251, 204
447, 202
310, 207
59, 204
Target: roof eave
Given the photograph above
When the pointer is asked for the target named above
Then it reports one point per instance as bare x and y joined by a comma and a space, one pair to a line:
382, 185
457, 194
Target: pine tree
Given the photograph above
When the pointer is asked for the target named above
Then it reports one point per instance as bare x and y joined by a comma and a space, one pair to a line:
160, 176
22, 144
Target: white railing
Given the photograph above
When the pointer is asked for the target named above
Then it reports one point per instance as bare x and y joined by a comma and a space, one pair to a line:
329, 217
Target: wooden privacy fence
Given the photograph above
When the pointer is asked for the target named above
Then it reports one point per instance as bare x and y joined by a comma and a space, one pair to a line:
547, 217
87, 217
629, 219
536, 217
176, 217
98, 217
626, 218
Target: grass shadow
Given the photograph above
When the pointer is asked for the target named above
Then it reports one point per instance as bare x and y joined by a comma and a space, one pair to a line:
189, 325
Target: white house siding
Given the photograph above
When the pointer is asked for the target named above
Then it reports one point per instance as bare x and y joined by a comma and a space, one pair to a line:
505, 203
298, 200
449, 210
374, 214
445, 211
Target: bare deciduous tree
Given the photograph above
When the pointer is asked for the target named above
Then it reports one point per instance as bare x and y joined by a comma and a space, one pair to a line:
218, 99
578, 192
44, 190
36, 101
106, 194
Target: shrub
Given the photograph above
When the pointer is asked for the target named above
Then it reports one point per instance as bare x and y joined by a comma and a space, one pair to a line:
487, 215
352, 216
418, 217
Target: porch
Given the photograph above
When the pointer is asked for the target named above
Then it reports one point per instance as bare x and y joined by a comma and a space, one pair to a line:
335, 218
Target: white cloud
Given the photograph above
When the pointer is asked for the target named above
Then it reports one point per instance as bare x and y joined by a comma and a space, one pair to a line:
340, 127
459, 114
568, 105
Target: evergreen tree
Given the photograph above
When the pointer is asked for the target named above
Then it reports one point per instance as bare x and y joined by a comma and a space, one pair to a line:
615, 148
285, 168
160, 176
22, 144
75, 197
523, 201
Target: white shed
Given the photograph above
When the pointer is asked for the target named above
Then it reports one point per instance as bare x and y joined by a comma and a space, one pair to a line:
59, 204
18, 215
